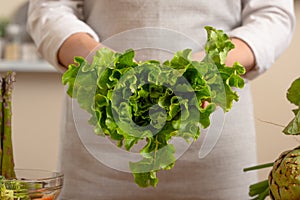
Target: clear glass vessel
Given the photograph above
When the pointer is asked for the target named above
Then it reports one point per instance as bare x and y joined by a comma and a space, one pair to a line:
32, 185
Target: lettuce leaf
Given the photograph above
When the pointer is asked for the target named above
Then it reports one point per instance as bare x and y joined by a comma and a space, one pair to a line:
154, 102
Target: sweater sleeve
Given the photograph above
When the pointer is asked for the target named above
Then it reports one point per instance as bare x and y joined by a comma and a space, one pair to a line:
267, 27
50, 23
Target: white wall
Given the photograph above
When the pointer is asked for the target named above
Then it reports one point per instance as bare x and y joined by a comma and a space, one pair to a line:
8, 7
37, 106
38, 100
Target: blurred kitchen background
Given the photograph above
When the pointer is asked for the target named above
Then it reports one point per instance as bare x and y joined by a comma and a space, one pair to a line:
38, 96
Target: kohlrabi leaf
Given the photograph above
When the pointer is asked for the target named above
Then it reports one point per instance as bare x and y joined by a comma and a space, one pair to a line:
293, 93
293, 128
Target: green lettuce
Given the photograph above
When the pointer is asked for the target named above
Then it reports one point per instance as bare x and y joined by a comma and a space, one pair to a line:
154, 102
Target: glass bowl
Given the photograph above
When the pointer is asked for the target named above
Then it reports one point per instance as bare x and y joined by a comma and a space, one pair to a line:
32, 184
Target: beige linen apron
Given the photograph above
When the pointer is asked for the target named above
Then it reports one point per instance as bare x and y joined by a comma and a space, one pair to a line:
219, 175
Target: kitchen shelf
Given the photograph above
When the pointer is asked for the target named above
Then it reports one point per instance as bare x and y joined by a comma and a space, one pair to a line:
26, 66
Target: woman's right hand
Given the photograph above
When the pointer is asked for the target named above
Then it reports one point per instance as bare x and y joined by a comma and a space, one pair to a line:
78, 44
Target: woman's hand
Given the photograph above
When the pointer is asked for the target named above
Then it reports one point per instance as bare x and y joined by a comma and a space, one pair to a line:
242, 53
78, 44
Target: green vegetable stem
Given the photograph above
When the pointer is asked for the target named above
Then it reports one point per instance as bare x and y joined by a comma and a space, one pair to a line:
7, 160
1, 122
154, 102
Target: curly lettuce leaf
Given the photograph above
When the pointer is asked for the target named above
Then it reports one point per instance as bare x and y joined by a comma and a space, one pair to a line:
218, 45
132, 101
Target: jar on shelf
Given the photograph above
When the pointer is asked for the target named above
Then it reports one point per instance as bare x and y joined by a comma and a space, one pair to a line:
29, 52
12, 50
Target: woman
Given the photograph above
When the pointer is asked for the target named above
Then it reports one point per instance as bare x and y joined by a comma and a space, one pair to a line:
260, 30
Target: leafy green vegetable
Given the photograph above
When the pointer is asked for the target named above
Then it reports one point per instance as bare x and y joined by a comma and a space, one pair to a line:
293, 128
152, 102
13, 190
293, 92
